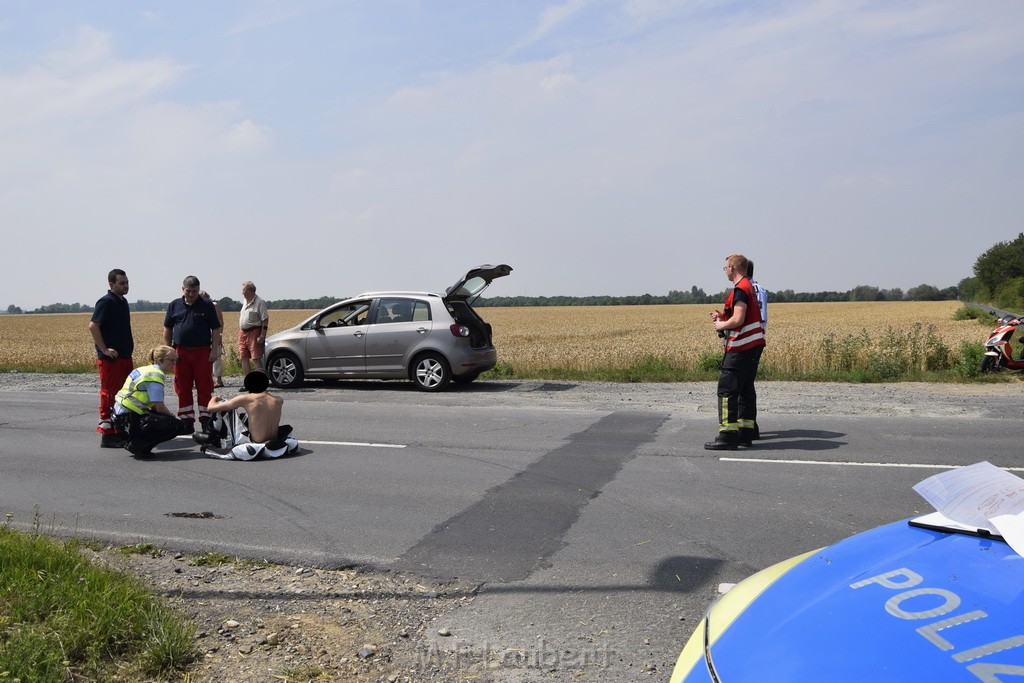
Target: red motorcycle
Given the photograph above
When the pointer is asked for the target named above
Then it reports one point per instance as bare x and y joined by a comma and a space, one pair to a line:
998, 352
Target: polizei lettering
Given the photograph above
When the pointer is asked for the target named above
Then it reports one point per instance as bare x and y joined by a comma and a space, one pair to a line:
939, 604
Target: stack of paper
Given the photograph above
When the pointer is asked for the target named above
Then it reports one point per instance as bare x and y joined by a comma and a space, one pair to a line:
979, 496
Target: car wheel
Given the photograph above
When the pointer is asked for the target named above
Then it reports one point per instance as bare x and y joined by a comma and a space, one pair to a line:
285, 370
431, 372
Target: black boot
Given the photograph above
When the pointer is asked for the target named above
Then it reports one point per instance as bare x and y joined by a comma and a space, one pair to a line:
725, 441
113, 441
747, 437
139, 449
205, 439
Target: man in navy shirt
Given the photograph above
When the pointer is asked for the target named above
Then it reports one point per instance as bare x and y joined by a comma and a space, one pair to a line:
111, 330
191, 326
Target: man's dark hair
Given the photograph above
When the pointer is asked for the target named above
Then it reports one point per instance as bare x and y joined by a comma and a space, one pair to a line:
112, 275
750, 268
190, 281
256, 382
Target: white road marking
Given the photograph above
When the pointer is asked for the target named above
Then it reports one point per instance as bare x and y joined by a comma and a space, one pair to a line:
354, 443
857, 464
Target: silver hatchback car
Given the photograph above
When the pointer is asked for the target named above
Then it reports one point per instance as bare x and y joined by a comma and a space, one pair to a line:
431, 339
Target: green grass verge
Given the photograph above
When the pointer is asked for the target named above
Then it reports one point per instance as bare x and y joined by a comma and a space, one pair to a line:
852, 362
62, 619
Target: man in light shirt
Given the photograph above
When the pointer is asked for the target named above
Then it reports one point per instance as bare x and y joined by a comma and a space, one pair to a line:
253, 322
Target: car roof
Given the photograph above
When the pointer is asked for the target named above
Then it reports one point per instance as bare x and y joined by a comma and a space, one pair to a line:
367, 295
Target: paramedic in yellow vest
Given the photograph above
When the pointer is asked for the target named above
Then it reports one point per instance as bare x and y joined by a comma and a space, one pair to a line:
140, 407
741, 326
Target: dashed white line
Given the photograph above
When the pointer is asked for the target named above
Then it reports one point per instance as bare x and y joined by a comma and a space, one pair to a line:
856, 464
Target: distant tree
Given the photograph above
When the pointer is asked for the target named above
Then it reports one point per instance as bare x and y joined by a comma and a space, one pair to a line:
228, 304
14, 309
865, 293
63, 308
143, 305
1009, 295
1002, 261
923, 293
971, 289
300, 304
894, 294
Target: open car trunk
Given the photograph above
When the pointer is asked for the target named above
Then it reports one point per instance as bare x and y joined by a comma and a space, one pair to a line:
479, 330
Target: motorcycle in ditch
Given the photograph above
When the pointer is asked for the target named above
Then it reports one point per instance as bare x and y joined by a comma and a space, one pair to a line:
998, 351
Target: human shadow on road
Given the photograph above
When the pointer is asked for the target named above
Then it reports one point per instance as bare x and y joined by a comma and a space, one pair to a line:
179, 452
798, 440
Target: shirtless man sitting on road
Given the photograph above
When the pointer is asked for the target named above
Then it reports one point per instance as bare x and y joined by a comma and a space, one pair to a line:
250, 424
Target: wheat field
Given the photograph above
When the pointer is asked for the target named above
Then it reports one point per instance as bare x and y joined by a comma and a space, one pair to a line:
585, 338
542, 338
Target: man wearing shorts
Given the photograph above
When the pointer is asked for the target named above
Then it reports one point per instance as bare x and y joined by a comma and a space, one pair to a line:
253, 322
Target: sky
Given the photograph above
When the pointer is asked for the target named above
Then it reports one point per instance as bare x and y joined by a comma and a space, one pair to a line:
599, 147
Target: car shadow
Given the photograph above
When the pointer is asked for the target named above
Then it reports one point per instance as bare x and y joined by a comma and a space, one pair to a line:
405, 386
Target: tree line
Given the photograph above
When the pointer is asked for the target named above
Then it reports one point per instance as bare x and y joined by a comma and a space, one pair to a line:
998, 278
695, 295
699, 296
226, 304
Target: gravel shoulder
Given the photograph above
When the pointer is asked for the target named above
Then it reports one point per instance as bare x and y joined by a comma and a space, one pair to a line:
262, 622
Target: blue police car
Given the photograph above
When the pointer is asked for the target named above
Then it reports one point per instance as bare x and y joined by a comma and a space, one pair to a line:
911, 601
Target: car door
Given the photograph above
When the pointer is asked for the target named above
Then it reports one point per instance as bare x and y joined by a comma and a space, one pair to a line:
337, 341
401, 325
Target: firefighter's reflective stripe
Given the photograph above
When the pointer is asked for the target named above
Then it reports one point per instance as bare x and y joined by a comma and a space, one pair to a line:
751, 333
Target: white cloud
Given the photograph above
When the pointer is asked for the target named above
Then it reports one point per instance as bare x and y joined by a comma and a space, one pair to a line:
79, 83
269, 13
247, 136
554, 16
558, 81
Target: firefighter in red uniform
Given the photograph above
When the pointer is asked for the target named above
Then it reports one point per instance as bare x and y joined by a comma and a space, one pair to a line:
742, 327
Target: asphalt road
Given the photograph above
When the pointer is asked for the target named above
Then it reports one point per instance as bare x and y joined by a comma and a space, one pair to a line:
596, 525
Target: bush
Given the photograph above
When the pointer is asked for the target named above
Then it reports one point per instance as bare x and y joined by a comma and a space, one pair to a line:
968, 362
1009, 295
709, 361
501, 370
966, 312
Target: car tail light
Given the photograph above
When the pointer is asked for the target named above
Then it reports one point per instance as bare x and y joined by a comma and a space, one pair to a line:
459, 330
